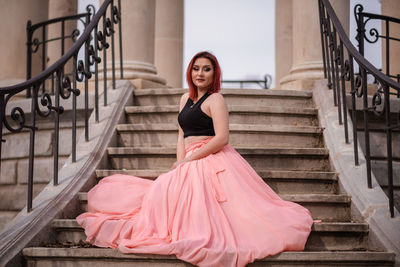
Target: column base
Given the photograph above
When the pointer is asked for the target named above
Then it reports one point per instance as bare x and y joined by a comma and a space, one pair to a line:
303, 76
133, 70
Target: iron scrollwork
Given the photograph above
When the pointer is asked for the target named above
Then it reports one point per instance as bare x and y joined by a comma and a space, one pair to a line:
92, 56
81, 72
101, 41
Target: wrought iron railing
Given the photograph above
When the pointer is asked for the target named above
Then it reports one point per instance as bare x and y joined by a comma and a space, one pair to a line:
374, 34
34, 43
339, 57
98, 31
264, 84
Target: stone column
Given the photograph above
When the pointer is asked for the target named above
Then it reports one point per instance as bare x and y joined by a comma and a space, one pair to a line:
169, 40
60, 8
138, 34
13, 38
306, 54
391, 8
283, 39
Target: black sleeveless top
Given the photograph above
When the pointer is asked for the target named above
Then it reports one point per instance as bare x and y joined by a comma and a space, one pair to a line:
193, 121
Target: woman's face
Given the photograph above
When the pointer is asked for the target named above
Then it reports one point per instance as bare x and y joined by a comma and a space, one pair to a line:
202, 73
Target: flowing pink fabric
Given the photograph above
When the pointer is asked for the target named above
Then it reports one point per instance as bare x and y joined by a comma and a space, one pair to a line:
215, 211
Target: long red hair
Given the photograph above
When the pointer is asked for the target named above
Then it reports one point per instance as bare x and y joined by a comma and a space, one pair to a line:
216, 86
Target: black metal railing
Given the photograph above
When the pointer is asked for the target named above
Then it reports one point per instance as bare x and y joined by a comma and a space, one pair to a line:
264, 84
90, 42
373, 34
339, 57
41, 42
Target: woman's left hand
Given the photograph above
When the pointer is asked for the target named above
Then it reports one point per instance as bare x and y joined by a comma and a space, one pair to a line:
178, 162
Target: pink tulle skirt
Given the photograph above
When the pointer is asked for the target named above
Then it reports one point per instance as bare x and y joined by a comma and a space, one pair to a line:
215, 211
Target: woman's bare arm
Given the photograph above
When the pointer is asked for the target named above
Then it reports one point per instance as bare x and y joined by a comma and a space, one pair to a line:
180, 146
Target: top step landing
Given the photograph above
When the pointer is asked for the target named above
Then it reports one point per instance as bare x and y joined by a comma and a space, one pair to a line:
250, 97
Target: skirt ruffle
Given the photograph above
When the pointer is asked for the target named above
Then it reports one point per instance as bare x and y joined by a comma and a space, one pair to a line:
215, 211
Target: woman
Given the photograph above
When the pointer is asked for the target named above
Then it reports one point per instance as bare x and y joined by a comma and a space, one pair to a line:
211, 209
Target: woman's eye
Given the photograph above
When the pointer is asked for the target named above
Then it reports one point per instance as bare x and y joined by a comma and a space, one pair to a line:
195, 68
207, 69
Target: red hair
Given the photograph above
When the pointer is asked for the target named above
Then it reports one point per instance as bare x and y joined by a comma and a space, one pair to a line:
216, 86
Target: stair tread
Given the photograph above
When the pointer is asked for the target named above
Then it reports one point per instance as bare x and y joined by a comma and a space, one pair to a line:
228, 91
232, 128
231, 109
310, 198
304, 256
317, 227
317, 198
242, 150
267, 174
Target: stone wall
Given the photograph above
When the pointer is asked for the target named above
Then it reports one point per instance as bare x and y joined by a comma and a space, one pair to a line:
15, 157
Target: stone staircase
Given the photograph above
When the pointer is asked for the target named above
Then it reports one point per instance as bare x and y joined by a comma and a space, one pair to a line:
277, 132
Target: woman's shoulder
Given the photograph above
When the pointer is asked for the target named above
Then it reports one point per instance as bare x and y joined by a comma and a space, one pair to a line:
217, 98
185, 96
184, 99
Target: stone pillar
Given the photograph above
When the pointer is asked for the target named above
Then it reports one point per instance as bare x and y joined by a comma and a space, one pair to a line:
169, 40
283, 39
391, 8
306, 54
13, 38
138, 34
60, 8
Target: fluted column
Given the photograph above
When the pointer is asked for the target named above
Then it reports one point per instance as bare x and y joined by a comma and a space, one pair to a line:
138, 38
60, 8
283, 39
169, 41
15, 14
391, 8
306, 50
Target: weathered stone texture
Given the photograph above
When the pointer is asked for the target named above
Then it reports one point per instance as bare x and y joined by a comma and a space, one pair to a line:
42, 170
17, 145
14, 197
8, 172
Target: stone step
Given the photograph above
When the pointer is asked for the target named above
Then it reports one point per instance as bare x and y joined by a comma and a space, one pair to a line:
324, 236
99, 257
5, 217
166, 134
284, 182
267, 115
310, 159
254, 97
325, 207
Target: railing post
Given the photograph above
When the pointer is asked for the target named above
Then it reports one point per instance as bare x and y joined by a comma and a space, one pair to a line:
104, 60
32, 129
74, 83
389, 149
43, 56
321, 25
342, 77
2, 116
87, 74
120, 40
337, 78
112, 44
331, 44
354, 111
57, 125
28, 55
96, 77
366, 128
387, 48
